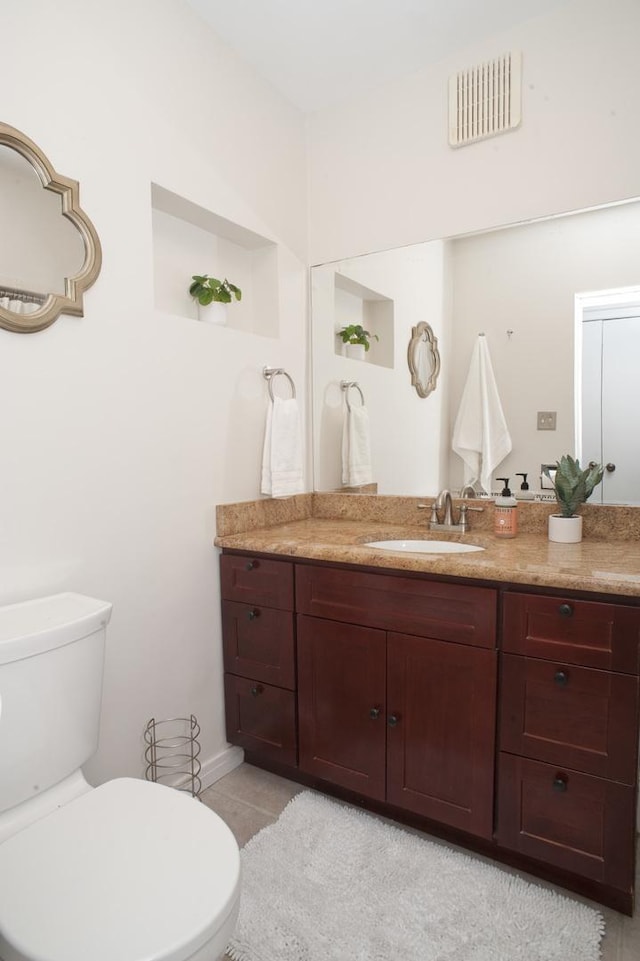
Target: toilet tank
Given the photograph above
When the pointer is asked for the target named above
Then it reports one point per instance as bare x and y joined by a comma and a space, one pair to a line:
51, 664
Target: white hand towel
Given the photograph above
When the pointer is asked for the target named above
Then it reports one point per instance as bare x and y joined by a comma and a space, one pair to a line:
480, 435
282, 470
356, 448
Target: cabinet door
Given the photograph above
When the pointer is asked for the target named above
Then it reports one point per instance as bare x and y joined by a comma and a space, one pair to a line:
441, 739
586, 633
254, 580
577, 717
258, 643
261, 718
341, 702
578, 822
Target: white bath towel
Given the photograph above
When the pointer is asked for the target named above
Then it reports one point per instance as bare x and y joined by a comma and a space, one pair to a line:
356, 448
480, 435
282, 468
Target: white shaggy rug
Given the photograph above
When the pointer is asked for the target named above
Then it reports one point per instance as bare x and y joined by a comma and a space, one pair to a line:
330, 883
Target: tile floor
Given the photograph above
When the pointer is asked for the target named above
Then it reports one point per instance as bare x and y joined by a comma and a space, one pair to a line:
249, 799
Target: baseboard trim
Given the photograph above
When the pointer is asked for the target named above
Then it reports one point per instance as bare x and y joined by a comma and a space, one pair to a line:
223, 763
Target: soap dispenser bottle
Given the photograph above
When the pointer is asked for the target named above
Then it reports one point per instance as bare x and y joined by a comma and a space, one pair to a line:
505, 514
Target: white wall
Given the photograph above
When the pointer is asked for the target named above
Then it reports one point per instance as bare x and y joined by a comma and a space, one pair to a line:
382, 173
122, 430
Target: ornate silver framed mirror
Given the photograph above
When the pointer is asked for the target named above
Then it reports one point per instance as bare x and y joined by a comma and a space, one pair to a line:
50, 253
424, 359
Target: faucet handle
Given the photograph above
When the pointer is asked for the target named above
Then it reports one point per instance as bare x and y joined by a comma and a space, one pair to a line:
434, 511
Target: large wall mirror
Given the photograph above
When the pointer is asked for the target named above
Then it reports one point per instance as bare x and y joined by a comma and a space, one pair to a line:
49, 249
558, 301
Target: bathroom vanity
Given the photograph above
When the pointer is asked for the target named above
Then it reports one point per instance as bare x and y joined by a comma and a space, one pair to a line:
445, 692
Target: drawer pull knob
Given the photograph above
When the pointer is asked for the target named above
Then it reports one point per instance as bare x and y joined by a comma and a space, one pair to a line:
256, 690
392, 720
561, 678
253, 614
565, 610
251, 565
560, 783
374, 713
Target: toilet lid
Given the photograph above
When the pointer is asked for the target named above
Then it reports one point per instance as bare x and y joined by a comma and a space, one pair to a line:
130, 871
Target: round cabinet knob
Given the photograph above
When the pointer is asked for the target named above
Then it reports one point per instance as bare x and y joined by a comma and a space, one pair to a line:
560, 783
392, 720
610, 468
256, 690
251, 565
565, 610
561, 678
253, 614
374, 713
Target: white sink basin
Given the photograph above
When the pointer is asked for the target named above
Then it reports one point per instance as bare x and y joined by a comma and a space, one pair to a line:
425, 547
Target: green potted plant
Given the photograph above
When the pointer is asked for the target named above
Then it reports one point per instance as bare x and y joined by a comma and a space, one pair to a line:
357, 340
572, 485
209, 290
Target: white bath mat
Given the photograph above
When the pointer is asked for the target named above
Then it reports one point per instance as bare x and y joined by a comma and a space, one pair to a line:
330, 883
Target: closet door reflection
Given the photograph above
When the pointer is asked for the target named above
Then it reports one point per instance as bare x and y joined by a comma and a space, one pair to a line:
610, 403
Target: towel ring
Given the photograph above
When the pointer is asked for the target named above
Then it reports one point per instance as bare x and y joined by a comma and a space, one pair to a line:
346, 386
271, 372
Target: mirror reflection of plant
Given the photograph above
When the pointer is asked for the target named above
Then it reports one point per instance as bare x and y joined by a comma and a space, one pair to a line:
207, 289
573, 485
356, 334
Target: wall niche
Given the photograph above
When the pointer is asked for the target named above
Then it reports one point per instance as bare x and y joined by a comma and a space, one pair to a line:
357, 304
188, 240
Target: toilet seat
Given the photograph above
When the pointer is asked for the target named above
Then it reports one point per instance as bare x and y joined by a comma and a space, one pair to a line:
130, 871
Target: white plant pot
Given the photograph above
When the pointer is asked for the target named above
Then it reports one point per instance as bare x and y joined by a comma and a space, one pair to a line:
565, 530
355, 351
214, 313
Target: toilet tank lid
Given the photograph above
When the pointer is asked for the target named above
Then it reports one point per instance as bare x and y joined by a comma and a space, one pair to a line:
32, 627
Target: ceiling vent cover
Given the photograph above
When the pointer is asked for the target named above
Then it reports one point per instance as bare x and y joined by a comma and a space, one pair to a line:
485, 100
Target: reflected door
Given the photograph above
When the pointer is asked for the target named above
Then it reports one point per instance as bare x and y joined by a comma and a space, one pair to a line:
611, 402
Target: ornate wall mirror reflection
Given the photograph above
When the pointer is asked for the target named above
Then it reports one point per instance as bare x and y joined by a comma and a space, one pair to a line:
50, 253
424, 359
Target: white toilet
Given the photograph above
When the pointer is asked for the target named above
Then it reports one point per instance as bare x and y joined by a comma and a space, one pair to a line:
128, 871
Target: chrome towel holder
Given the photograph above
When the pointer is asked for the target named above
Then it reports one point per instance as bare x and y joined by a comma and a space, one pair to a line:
270, 372
346, 386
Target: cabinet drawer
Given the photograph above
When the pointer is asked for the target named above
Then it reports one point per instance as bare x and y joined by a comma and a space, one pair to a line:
252, 580
446, 612
590, 633
577, 822
580, 717
258, 643
261, 718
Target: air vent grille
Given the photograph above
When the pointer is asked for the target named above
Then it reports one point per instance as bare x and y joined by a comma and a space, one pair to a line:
485, 100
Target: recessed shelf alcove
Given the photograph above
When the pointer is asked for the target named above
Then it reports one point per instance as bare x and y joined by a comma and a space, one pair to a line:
357, 304
188, 239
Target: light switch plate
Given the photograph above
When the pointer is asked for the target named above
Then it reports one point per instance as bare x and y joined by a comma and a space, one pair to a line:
546, 420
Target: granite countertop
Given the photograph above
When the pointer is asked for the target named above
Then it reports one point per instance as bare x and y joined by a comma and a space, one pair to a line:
598, 564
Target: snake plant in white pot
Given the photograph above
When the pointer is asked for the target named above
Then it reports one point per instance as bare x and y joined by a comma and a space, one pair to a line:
573, 486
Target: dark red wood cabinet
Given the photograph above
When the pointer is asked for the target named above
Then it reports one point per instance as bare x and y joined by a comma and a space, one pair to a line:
568, 735
259, 655
510, 716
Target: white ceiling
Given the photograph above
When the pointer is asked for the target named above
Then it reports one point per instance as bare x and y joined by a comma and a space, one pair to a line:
317, 52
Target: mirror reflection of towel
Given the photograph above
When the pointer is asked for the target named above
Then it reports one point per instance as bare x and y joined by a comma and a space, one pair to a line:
480, 435
282, 470
356, 448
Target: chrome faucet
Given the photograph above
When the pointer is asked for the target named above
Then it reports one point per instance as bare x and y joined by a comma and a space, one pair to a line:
442, 514
444, 500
